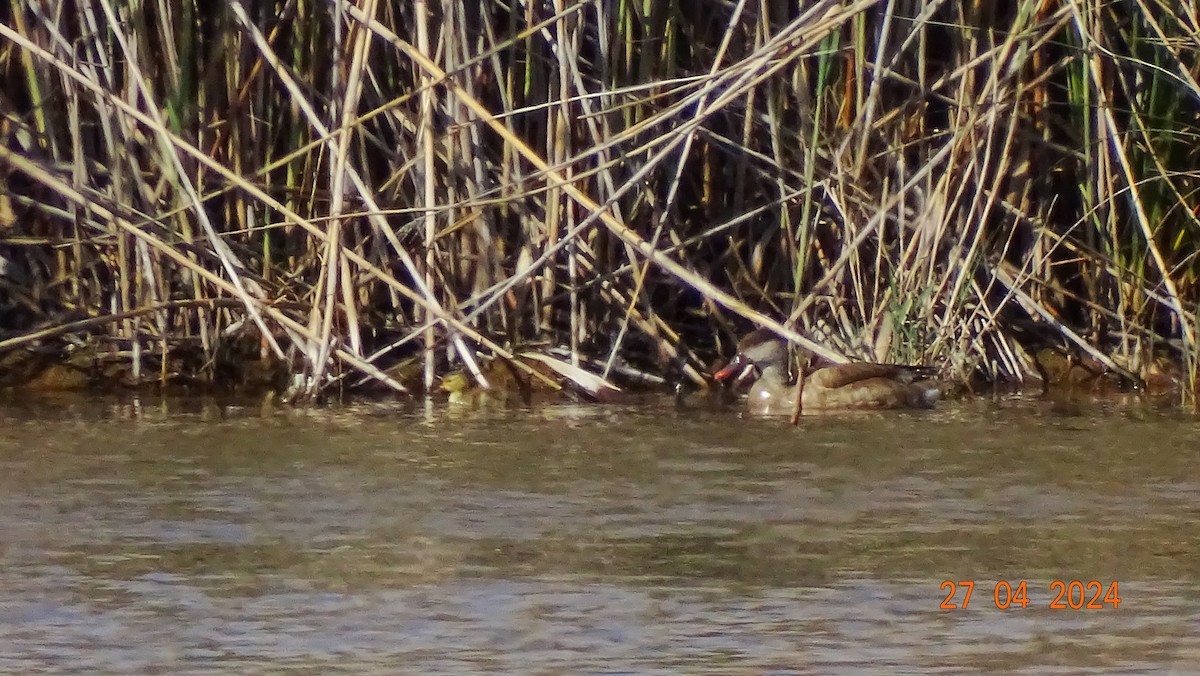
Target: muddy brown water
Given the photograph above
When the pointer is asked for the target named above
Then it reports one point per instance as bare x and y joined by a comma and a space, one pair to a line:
188, 537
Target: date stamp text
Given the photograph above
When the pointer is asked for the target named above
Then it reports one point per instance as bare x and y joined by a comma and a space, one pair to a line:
1062, 595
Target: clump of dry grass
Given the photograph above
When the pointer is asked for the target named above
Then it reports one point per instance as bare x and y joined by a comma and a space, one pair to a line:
341, 186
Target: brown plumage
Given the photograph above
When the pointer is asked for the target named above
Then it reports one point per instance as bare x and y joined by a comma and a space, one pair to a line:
860, 385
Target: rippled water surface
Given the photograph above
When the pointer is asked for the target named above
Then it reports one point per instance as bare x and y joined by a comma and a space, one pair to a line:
184, 537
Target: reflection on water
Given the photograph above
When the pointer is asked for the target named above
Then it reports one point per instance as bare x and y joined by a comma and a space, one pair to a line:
185, 536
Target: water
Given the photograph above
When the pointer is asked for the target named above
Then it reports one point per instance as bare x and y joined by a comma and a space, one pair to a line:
183, 537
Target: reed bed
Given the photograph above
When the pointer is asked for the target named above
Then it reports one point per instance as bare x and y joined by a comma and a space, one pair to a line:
373, 194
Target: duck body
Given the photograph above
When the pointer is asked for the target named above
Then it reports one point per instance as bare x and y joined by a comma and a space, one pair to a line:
855, 386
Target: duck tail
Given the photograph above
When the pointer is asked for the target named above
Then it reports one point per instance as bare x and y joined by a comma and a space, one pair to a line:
927, 394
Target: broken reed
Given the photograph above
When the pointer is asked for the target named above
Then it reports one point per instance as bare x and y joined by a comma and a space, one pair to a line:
350, 184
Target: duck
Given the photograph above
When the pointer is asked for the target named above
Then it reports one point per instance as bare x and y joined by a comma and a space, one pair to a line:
829, 387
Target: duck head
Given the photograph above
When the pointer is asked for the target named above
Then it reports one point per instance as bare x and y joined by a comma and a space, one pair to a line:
759, 350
